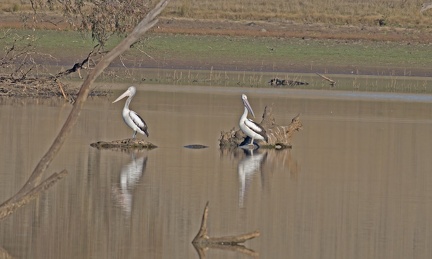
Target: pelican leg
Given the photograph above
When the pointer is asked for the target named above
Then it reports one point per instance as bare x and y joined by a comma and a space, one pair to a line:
134, 135
251, 143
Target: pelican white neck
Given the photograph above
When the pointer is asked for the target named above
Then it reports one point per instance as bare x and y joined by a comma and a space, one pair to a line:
247, 105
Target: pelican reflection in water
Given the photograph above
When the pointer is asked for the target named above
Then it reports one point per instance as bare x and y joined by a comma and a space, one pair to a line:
130, 175
131, 118
247, 167
248, 126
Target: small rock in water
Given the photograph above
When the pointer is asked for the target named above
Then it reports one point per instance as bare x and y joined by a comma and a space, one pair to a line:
195, 146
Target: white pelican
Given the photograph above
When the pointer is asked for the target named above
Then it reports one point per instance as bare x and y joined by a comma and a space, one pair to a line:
131, 118
248, 126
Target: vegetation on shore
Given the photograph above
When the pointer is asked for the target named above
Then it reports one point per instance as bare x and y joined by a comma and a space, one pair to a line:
398, 13
241, 61
237, 53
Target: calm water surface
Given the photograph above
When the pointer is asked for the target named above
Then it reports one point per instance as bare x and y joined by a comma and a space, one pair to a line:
357, 183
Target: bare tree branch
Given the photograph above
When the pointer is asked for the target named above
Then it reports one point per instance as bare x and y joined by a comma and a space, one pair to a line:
18, 201
77, 66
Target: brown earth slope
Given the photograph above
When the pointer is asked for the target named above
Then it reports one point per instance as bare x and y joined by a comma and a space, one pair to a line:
253, 28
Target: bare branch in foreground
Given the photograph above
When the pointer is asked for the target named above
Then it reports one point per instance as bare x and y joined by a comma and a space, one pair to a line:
21, 200
35, 178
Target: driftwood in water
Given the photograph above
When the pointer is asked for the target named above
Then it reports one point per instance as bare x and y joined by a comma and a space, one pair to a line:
124, 144
202, 241
278, 136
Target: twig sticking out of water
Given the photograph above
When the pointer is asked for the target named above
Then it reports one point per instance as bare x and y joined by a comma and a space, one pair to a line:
202, 241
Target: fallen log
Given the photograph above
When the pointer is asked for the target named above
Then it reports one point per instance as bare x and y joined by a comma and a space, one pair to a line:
124, 144
202, 241
279, 137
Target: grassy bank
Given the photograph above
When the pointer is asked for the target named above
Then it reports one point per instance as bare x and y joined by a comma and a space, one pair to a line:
242, 61
239, 53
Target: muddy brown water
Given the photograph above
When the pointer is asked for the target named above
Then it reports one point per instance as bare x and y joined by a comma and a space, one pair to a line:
355, 185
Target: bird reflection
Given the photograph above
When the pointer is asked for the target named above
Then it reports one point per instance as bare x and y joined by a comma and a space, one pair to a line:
130, 175
247, 167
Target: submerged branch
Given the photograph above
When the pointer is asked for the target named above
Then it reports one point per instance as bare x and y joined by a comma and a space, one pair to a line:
202, 241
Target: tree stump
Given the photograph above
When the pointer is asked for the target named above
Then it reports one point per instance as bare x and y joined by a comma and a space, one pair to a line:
279, 137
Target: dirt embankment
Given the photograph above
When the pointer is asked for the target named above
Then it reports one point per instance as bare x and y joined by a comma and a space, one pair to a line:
281, 29
286, 29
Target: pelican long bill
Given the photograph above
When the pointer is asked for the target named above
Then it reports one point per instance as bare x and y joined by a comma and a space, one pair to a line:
127, 93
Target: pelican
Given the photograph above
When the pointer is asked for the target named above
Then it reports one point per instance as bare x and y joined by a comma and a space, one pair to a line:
248, 126
131, 118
